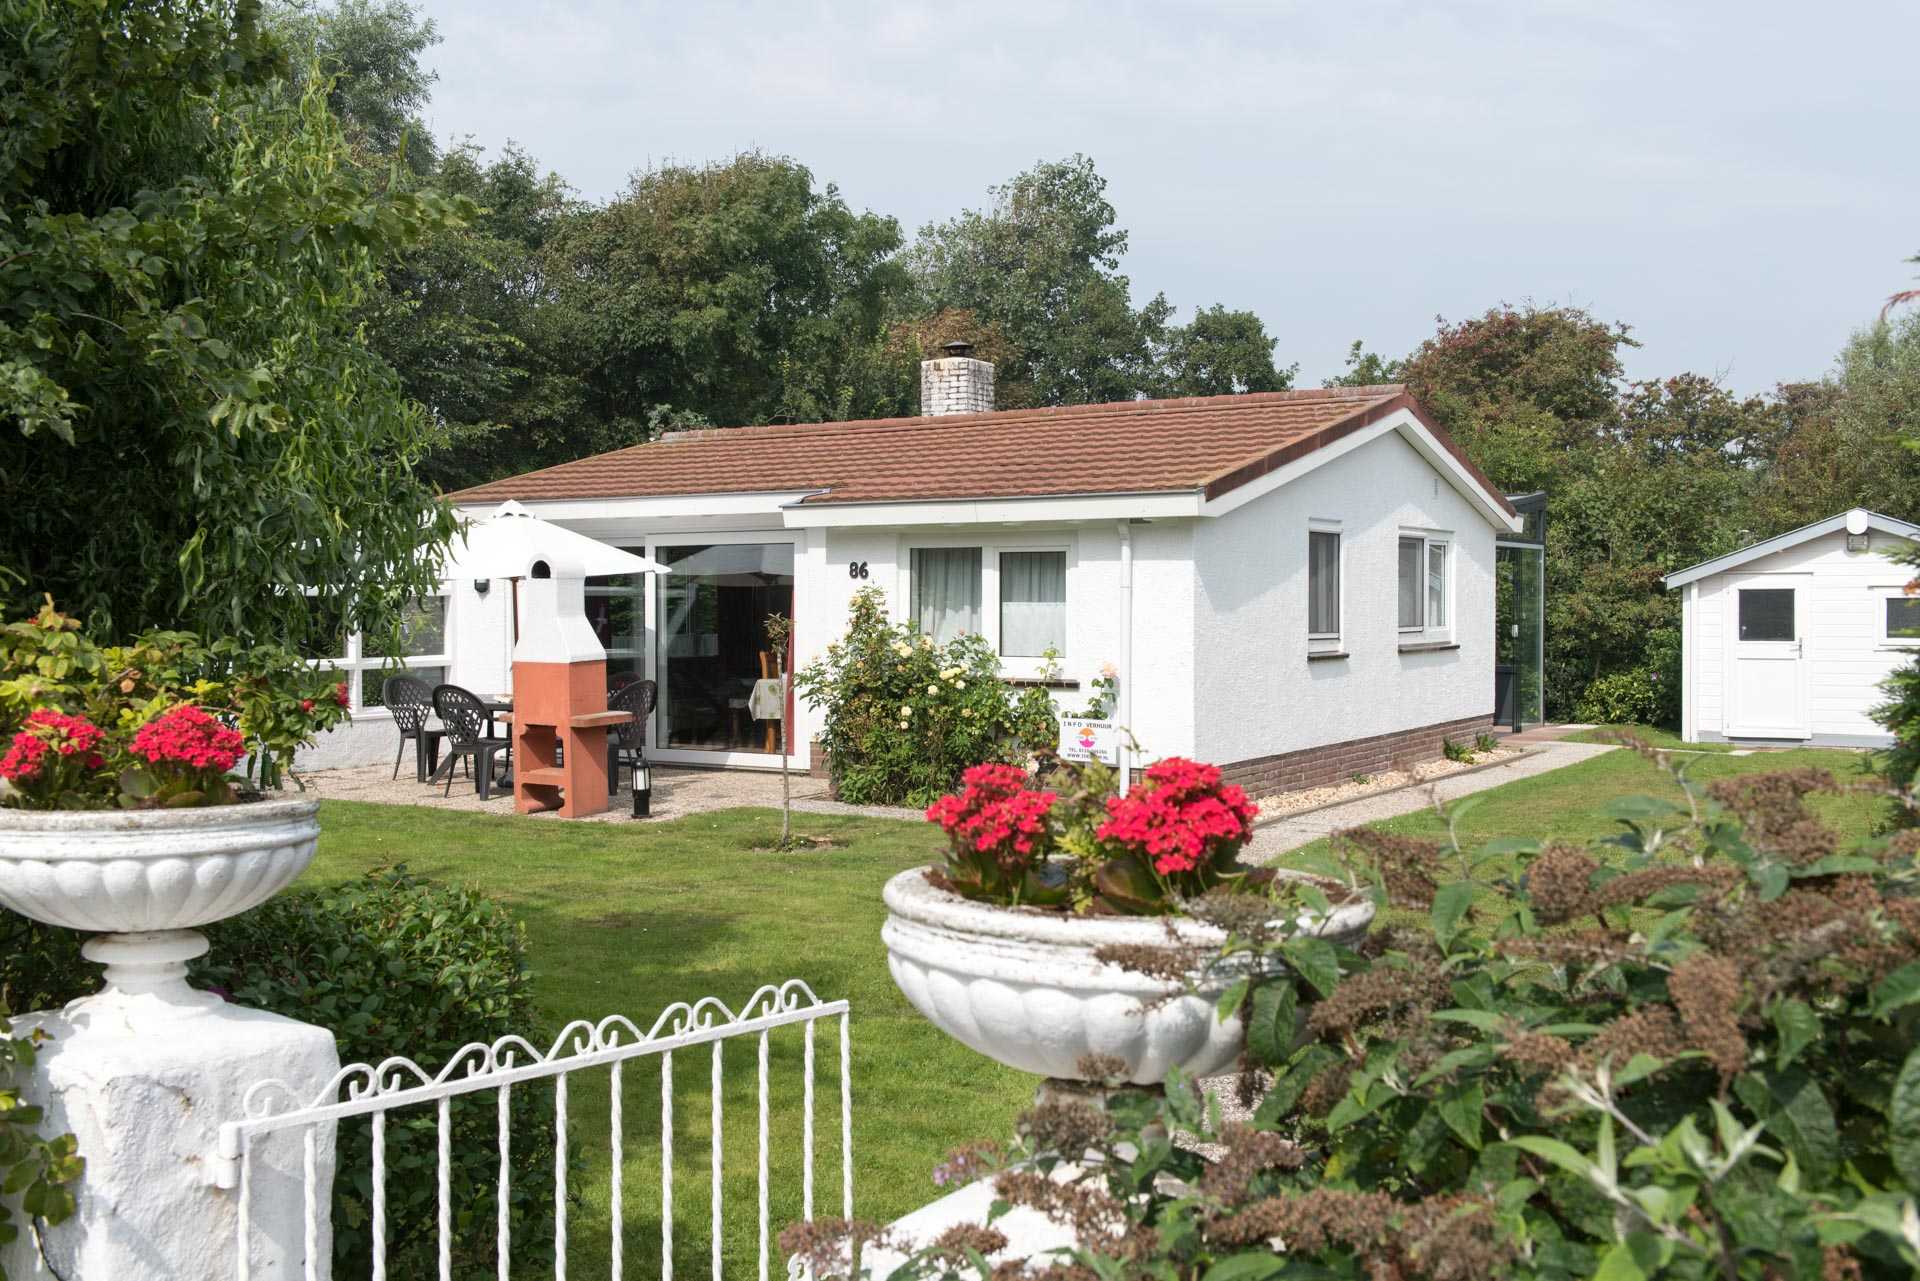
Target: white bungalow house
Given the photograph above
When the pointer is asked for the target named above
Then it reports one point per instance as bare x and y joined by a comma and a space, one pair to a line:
1297, 585
1788, 640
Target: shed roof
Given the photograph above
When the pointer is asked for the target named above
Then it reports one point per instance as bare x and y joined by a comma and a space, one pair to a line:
1209, 445
1862, 518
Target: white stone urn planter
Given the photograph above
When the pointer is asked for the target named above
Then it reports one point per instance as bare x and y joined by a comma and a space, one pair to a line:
1023, 987
141, 880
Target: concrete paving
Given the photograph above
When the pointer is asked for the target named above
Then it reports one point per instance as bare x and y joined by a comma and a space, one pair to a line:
1274, 839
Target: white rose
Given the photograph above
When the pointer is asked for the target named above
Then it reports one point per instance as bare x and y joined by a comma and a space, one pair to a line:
933, 689
906, 710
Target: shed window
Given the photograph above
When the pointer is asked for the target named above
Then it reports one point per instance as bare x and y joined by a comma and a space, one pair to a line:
1903, 618
1323, 585
1766, 614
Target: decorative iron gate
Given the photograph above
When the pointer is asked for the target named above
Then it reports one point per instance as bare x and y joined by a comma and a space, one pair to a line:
362, 1089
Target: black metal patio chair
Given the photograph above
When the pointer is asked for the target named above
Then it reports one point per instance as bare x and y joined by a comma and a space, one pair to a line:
411, 702
628, 742
464, 714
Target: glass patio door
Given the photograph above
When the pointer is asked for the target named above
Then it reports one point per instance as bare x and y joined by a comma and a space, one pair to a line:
718, 674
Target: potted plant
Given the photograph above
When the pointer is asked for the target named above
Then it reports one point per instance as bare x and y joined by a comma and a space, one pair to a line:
1015, 944
121, 808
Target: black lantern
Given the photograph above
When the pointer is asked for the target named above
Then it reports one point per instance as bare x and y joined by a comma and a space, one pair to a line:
481, 586
642, 789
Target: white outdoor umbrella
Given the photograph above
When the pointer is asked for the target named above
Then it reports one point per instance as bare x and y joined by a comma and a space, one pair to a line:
508, 542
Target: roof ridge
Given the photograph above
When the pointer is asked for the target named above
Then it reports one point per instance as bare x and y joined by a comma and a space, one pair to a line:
1291, 395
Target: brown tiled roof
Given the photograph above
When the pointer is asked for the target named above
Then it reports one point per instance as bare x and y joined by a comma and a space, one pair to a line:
1210, 444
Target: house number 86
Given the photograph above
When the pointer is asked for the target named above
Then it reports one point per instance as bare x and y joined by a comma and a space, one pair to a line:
856, 569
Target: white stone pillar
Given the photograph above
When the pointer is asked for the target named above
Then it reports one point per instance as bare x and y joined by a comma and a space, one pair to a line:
143, 1079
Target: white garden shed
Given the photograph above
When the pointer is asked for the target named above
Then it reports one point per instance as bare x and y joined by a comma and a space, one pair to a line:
1789, 639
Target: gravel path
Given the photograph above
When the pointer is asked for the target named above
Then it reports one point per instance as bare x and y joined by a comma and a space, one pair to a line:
1290, 833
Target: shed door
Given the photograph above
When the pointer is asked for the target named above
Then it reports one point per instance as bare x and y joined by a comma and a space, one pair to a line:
1766, 658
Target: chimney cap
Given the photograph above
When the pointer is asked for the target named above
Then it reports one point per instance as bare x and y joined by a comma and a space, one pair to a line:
958, 347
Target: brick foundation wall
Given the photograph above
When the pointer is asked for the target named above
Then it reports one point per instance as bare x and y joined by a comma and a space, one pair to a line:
1339, 762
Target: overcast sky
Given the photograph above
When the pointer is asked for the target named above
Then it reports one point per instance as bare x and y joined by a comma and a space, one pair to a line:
1737, 181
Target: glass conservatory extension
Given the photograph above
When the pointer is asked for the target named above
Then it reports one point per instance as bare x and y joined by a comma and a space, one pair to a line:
1519, 614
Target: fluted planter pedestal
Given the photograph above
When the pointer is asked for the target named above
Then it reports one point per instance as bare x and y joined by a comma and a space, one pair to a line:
143, 1072
1024, 987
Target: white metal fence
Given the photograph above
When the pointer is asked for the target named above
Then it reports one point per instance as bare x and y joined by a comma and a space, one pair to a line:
362, 1089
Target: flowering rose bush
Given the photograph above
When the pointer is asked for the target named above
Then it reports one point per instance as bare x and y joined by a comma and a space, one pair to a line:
905, 715
162, 721
999, 833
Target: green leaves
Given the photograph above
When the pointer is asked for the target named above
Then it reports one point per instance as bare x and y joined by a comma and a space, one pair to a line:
1450, 906
1903, 1123
1272, 1021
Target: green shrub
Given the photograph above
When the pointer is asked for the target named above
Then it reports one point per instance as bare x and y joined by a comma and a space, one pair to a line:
1638, 697
1684, 1052
1453, 751
391, 964
1900, 715
905, 716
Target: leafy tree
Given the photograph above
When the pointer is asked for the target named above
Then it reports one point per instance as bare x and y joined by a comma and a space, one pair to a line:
195, 433
1041, 264
468, 320
1221, 353
1877, 417
737, 291
1367, 368
367, 53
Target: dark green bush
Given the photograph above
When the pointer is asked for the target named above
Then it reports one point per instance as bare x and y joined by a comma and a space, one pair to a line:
1900, 714
1684, 1052
391, 964
1639, 697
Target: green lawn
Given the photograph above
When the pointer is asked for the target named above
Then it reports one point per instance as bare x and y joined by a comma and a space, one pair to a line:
1567, 804
627, 918
1651, 733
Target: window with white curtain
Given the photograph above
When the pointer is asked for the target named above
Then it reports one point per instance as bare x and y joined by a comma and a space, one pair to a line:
1033, 603
1323, 588
1412, 556
1425, 589
946, 591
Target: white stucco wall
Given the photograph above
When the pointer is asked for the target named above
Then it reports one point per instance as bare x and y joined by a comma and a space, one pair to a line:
1840, 630
1256, 692
479, 647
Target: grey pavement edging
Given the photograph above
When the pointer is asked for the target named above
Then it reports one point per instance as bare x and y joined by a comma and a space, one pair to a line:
1290, 815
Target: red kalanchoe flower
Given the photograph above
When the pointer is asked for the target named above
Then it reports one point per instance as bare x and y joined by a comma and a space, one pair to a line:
1179, 816
995, 814
188, 736
25, 757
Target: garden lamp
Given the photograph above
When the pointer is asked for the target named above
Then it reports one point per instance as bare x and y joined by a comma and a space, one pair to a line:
642, 789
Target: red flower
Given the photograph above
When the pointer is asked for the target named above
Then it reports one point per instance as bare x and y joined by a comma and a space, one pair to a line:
995, 814
24, 758
1179, 816
340, 694
306, 705
188, 736
45, 733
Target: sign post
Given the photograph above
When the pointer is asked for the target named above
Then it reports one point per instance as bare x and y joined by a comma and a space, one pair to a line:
1084, 739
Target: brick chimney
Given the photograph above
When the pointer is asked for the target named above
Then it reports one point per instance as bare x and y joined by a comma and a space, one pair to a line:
956, 383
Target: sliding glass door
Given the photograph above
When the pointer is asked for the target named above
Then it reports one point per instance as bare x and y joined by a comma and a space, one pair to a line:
716, 666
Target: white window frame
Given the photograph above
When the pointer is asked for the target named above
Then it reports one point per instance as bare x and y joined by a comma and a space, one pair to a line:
1881, 640
1427, 631
357, 660
1023, 667
1328, 642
